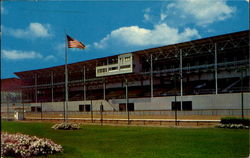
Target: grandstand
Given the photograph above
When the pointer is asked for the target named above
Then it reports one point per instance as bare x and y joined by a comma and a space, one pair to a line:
209, 73
10, 90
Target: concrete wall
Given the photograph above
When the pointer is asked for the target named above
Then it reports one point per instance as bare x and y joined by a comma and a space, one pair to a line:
210, 101
72, 105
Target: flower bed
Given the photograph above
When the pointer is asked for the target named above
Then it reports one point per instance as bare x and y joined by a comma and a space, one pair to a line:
232, 126
20, 145
235, 120
66, 126
234, 123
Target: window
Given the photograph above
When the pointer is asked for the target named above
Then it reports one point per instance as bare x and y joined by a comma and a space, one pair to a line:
121, 60
39, 109
102, 70
122, 107
102, 63
127, 59
33, 109
186, 106
84, 107
176, 106
113, 60
131, 106
113, 68
36, 109
124, 66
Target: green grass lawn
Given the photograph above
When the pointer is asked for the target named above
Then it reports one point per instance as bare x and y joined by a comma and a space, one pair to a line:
140, 142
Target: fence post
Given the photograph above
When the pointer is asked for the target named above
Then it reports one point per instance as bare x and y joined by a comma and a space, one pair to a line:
41, 110
23, 112
91, 110
101, 110
7, 110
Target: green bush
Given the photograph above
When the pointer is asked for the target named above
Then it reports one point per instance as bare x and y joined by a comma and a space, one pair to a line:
235, 120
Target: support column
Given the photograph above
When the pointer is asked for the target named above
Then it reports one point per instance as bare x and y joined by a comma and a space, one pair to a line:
7, 99
91, 103
84, 81
242, 96
36, 88
126, 91
52, 86
151, 76
181, 78
215, 68
127, 99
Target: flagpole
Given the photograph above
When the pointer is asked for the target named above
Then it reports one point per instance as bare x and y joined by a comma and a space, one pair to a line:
66, 80
76, 44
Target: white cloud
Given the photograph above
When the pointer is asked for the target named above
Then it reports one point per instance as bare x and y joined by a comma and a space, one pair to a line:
18, 55
34, 30
49, 57
201, 12
170, 19
171, 5
163, 16
21, 55
2, 10
161, 34
147, 15
60, 47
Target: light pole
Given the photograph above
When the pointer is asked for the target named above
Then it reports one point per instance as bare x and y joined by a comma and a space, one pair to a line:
7, 98
241, 70
175, 102
101, 110
41, 110
242, 96
92, 120
127, 100
174, 78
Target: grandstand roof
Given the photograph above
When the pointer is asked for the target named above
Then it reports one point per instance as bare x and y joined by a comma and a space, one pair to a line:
91, 64
10, 84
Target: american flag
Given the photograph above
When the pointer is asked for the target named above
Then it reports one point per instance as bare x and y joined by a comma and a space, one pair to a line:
72, 43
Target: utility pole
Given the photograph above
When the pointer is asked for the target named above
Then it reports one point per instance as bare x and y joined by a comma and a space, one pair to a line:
242, 70
174, 78
91, 111
151, 76
175, 102
215, 68
7, 98
101, 110
127, 100
41, 110
242, 95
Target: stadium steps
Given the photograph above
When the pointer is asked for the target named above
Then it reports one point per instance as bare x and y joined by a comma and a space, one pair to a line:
230, 86
112, 105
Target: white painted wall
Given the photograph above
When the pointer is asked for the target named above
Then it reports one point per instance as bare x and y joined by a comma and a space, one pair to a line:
73, 105
210, 101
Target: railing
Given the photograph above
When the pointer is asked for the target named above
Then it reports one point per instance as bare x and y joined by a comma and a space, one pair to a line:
233, 63
146, 113
139, 117
198, 67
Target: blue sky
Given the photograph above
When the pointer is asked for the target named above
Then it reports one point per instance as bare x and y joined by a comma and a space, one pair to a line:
33, 33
